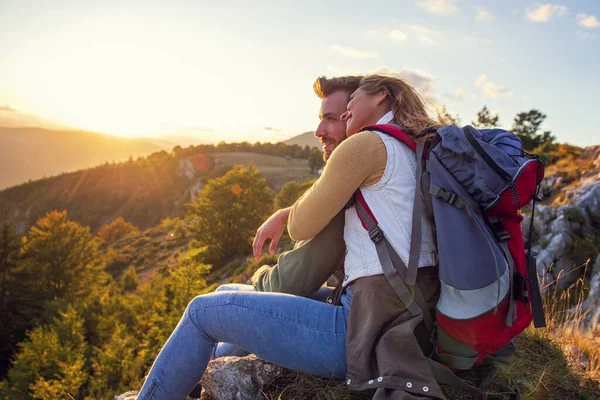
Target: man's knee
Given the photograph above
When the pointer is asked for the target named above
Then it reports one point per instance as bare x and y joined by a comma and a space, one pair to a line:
223, 288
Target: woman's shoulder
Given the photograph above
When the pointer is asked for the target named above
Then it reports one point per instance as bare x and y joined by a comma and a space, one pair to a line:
361, 142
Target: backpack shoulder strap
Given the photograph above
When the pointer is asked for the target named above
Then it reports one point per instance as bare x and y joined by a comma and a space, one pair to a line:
394, 131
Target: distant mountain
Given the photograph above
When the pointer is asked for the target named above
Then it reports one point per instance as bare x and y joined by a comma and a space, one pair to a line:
9, 117
304, 139
33, 153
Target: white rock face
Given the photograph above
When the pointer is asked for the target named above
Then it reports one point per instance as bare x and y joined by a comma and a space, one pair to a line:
186, 168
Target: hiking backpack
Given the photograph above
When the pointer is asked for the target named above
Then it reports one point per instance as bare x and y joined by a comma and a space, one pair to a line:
471, 183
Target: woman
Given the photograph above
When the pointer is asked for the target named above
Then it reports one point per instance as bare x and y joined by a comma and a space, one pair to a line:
296, 332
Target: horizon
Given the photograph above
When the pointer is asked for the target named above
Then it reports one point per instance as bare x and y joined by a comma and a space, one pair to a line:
238, 71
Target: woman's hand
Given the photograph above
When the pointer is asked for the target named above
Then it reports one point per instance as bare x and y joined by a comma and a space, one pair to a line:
272, 229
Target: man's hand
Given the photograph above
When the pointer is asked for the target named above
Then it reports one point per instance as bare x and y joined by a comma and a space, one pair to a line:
272, 229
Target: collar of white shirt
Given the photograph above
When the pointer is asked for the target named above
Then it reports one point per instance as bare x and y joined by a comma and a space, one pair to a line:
386, 119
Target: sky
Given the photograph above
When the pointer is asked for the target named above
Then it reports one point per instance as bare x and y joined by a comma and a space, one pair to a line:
243, 70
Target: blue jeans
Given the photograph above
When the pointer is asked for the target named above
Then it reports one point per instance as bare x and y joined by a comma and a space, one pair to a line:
291, 331
228, 349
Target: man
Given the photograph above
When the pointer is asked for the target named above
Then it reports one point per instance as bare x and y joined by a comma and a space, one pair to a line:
303, 270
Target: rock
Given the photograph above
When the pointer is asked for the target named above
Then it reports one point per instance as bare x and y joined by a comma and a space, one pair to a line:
186, 168
238, 378
589, 310
232, 378
131, 395
563, 272
556, 249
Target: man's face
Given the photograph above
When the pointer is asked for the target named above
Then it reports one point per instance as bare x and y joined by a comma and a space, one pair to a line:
332, 129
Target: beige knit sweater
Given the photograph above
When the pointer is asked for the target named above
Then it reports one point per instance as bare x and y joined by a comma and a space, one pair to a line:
357, 162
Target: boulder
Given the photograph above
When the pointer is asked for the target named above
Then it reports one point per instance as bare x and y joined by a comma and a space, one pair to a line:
589, 310
232, 378
238, 378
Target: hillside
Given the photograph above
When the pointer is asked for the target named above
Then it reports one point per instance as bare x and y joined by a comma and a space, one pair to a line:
33, 153
304, 139
142, 191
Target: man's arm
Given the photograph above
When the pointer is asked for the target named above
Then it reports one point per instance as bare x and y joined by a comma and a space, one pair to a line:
303, 270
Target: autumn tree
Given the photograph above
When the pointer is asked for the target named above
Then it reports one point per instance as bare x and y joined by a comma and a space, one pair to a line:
526, 126
485, 119
226, 214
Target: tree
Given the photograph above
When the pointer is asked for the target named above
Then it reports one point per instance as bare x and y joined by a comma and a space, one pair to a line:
50, 364
10, 245
14, 305
117, 229
315, 160
226, 214
485, 119
526, 126
445, 118
64, 258
290, 192
129, 281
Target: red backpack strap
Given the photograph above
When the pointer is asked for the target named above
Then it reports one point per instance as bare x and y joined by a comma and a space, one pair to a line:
394, 131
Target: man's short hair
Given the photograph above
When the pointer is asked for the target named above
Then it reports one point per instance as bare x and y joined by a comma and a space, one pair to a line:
324, 86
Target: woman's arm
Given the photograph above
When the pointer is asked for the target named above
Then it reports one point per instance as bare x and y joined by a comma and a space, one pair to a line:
353, 163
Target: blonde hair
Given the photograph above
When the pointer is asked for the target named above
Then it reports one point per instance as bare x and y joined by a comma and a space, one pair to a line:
407, 105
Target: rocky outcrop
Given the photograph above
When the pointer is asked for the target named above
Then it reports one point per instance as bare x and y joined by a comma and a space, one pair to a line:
567, 238
232, 378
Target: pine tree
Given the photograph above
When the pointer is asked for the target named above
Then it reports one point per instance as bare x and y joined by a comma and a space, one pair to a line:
527, 125
485, 119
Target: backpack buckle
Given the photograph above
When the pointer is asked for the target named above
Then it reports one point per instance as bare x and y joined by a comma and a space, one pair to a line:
375, 234
452, 199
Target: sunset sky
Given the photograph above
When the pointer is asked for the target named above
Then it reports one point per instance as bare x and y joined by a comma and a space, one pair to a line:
245, 69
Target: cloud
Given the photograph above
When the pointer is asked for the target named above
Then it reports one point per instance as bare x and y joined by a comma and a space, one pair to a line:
489, 88
586, 35
8, 109
421, 80
353, 52
426, 35
480, 80
272, 129
544, 12
588, 21
398, 35
440, 7
483, 15
460, 95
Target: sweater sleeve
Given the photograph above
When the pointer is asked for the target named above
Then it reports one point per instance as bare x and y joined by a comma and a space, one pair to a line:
356, 161
303, 270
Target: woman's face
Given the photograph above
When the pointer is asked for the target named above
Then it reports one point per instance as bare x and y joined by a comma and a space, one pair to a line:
360, 111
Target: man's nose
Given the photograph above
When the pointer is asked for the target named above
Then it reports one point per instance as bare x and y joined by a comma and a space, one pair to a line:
321, 131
